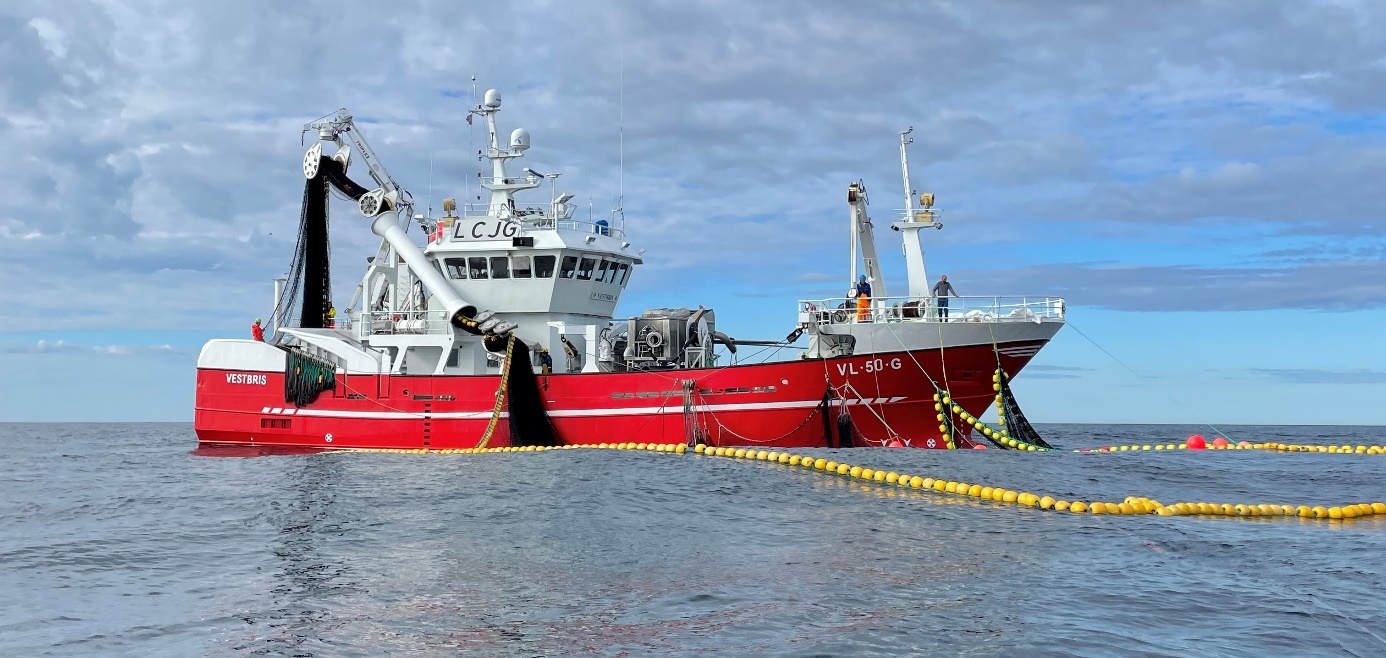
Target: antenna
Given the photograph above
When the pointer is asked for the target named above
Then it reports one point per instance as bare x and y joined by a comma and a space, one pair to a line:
621, 126
471, 142
621, 123
906, 140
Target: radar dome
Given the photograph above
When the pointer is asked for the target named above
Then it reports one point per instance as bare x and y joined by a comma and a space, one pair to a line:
519, 139
492, 99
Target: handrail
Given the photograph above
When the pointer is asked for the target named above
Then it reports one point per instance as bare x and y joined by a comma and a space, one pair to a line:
843, 310
376, 323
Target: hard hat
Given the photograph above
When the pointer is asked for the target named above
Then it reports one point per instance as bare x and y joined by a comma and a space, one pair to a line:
257, 320
861, 278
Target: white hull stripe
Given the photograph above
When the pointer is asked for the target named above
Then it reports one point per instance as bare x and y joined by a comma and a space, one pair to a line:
393, 415
671, 408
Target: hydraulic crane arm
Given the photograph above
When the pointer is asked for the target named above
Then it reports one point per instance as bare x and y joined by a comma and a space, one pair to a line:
333, 128
865, 237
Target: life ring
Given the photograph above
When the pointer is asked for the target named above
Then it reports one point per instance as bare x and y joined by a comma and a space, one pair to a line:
809, 307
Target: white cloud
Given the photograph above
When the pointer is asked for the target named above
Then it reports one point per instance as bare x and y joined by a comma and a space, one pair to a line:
45, 346
159, 183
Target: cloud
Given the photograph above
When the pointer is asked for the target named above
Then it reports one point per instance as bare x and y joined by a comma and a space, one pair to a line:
64, 347
152, 152
1041, 371
1323, 286
1322, 376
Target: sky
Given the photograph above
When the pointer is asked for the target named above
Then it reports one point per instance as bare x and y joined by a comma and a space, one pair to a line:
1201, 180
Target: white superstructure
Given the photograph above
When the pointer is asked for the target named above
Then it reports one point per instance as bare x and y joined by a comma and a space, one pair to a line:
534, 271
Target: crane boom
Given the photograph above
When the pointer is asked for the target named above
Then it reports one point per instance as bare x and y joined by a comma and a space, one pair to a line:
866, 239
333, 126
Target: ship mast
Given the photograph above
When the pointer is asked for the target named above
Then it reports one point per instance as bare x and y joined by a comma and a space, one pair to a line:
503, 189
913, 222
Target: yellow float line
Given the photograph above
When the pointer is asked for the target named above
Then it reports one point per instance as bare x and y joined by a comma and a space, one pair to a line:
1278, 447
1131, 506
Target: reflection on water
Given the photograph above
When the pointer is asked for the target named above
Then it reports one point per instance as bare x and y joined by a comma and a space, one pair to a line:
230, 450
118, 541
309, 579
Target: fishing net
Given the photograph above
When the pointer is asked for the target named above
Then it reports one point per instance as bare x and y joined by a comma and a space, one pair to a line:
308, 291
1017, 427
306, 376
529, 422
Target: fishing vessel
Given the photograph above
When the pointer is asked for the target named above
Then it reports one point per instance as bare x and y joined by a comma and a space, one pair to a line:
495, 325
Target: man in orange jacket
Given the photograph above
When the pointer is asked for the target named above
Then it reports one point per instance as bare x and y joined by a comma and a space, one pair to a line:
863, 291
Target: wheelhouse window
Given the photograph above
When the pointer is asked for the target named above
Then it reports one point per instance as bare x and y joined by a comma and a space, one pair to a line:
457, 267
625, 272
569, 267
520, 267
500, 267
476, 265
585, 268
543, 266
602, 268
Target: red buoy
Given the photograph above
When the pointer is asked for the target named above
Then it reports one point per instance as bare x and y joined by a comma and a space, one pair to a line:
1196, 442
979, 447
1220, 442
895, 443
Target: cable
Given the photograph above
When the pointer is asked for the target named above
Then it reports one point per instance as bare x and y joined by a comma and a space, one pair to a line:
1141, 377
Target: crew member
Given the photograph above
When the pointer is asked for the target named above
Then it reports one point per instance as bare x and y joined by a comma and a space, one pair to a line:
256, 331
331, 317
545, 360
942, 290
863, 291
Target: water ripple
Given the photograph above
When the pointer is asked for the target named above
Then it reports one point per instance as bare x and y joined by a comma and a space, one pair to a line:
117, 540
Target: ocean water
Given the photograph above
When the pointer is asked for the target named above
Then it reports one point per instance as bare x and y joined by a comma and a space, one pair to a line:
119, 540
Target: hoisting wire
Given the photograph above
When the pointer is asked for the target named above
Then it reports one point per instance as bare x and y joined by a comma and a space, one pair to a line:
1138, 375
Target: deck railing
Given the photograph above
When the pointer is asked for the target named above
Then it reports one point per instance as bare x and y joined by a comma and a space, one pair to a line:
842, 310
376, 323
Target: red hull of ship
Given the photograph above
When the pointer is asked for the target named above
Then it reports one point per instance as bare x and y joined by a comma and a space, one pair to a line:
766, 404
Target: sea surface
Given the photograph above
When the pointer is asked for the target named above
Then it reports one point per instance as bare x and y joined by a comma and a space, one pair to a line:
120, 540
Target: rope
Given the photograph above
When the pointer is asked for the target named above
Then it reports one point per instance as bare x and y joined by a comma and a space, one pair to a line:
946, 428
500, 395
1138, 375
880, 417
801, 425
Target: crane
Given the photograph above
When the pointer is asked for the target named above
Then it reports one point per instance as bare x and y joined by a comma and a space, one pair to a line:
391, 207
864, 236
388, 195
